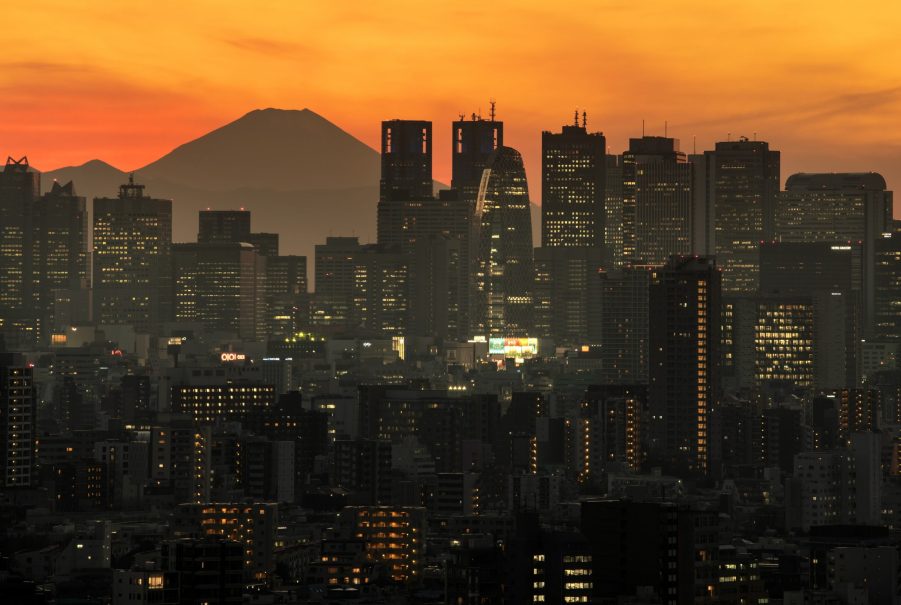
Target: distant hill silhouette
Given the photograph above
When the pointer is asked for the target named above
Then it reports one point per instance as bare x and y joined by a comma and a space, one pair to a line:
300, 175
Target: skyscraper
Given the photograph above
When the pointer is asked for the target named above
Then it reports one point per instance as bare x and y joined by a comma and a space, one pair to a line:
19, 189
222, 286
684, 309
504, 276
437, 235
658, 204
567, 294
474, 141
613, 205
18, 422
742, 182
60, 250
887, 280
838, 208
573, 183
224, 226
624, 324
132, 266
406, 160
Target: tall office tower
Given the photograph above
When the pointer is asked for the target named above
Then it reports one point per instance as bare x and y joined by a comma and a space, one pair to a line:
360, 287
838, 208
220, 285
887, 286
504, 275
742, 182
613, 205
60, 251
624, 324
234, 226
335, 262
437, 236
684, 307
363, 466
224, 226
18, 422
573, 187
132, 265
406, 160
474, 142
803, 267
568, 294
265, 243
19, 189
658, 204
380, 290
287, 299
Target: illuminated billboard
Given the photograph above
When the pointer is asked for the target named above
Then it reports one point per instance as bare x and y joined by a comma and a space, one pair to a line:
520, 348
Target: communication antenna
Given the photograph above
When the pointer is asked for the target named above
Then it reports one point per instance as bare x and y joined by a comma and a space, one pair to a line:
584, 119
492, 101
755, 135
728, 136
642, 128
694, 144
576, 117
462, 116
665, 128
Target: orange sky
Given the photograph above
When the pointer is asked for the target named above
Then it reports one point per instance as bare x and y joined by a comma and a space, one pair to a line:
128, 81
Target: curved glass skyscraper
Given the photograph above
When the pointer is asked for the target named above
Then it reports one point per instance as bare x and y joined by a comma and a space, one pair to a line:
504, 273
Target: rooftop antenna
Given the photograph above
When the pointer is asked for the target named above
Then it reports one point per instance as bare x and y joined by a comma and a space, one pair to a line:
576, 118
584, 119
728, 136
473, 116
642, 128
755, 135
462, 116
694, 144
665, 128
492, 101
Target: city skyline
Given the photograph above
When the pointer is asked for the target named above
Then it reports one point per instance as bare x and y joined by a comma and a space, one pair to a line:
620, 64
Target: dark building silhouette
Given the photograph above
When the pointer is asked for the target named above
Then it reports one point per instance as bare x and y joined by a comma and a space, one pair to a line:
220, 285
210, 571
573, 184
132, 264
437, 237
887, 285
18, 423
838, 208
658, 202
661, 547
60, 262
613, 205
474, 142
625, 324
224, 226
684, 307
810, 266
567, 294
505, 275
742, 183
406, 160
20, 187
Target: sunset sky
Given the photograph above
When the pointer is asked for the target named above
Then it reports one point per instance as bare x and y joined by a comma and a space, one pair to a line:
128, 81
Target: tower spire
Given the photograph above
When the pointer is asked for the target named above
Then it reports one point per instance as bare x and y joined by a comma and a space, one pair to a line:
493, 103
